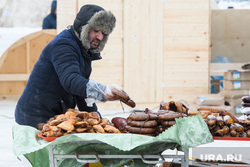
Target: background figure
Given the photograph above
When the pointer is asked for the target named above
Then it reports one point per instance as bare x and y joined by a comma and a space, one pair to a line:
49, 22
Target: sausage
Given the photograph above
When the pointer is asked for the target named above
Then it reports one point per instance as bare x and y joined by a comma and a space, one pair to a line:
123, 97
143, 124
130, 102
138, 130
143, 116
119, 123
161, 128
160, 112
120, 93
168, 123
209, 109
148, 111
170, 116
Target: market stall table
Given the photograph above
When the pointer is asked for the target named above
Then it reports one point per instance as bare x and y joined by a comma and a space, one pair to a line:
95, 157
188, 132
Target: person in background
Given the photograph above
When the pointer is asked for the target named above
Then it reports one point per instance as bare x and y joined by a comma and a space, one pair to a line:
49, 22
60, 77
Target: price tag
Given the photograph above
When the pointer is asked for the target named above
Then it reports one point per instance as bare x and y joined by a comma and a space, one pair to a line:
236, 75
238, 110
203, 99
237, 85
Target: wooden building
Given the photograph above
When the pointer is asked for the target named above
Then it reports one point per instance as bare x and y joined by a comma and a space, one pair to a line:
158, 51
18, 60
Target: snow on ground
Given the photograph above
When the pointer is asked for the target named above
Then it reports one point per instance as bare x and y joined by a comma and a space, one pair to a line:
7, 120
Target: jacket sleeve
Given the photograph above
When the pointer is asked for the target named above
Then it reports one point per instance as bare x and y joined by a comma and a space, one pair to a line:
82, 106
66, 63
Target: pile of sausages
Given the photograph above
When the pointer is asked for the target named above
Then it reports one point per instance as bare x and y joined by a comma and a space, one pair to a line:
151, 124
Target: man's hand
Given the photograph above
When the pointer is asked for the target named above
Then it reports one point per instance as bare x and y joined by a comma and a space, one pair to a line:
114, 92
108, 93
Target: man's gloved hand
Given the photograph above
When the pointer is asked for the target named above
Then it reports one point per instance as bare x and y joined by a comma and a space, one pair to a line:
108, 93
114, 92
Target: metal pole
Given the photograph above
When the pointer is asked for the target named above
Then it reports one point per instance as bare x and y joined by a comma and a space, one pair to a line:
51, 156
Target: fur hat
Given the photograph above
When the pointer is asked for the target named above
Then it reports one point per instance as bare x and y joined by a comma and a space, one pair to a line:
93, 17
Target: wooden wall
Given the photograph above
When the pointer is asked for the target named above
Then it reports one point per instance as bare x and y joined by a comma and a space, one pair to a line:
18, 60
230, 34
159, 50
186, 49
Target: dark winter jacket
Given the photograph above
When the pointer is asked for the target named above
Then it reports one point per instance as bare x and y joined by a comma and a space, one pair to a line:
60, 77
46, 94
49, 22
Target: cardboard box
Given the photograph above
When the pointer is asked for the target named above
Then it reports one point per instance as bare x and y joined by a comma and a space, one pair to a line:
242, 85
237, 110
237, 75
210, 100
233, 94
233, 102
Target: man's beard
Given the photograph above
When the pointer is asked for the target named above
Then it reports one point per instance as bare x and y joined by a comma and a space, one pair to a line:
94, 43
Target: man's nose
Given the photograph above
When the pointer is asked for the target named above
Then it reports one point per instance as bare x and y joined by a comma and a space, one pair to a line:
99, 35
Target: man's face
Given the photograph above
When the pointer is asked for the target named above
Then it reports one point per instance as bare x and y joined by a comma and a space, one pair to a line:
95, 37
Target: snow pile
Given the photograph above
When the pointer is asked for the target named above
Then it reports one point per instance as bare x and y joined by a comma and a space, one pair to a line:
234, 4
19, 18
9, 36
23, 13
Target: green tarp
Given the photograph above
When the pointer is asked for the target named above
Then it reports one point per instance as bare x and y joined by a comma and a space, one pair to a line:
188, 132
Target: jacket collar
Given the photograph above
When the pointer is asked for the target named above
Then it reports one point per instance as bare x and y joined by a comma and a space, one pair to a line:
85, 53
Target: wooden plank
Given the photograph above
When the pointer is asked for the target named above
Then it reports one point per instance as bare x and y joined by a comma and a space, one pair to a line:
15, 61
185, 57
66, 13
14, 77
9, 97
18, 62
218, 69
186, 49
143, 49
12, 87
28, 56
197, 44
191, 30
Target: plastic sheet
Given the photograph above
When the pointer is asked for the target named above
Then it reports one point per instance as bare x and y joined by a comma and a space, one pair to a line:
188, 132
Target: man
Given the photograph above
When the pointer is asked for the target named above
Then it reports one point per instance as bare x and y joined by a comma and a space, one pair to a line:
60, 77
49, 22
